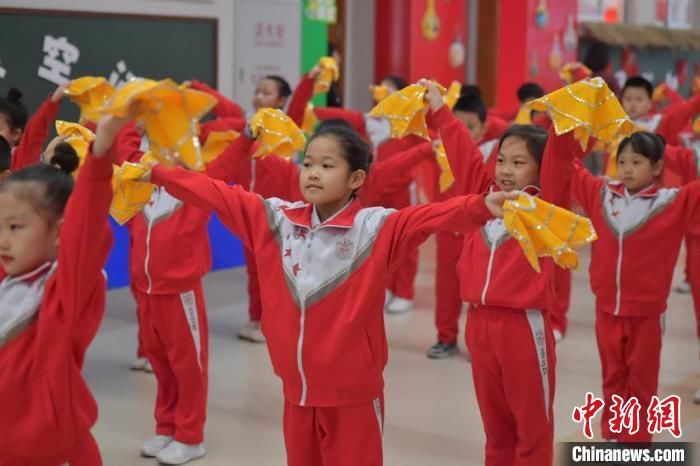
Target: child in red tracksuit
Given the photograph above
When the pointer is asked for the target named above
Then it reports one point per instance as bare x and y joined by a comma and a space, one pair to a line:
630, 279
170, 254
54, 241
471, 111
508, 334
325, 267
684, 162
400, 288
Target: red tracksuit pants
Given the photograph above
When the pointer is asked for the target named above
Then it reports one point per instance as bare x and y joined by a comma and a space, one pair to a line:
334, 436
85, 453
630, 353
140, 351
513, 367
562, 288
176, 341
254, 299
692, 244
448, 303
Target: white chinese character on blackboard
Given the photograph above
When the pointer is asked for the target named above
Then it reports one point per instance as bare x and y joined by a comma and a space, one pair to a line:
121, 75
59, 54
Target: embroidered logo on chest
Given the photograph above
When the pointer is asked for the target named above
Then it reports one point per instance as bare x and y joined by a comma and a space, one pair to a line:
344, 249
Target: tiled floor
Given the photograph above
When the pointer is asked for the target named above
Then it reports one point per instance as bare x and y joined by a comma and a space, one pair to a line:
432, 416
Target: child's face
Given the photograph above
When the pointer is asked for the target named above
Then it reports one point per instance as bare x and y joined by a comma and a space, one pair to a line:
635, 171
12, 135
515, 167
476, 127
267, 95
636, 102
325, 177
27, 240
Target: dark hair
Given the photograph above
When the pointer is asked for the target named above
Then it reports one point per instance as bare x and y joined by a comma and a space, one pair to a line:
46, 187
639, 82
64, 156
283, 87
529, 91
644, 143
334, 123
471, 104
535, 139
13, 109
5, 155
354, 149
397, 81
597, 56
470, 90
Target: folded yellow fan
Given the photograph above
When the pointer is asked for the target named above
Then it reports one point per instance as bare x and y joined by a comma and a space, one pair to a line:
216, 143
329, 73
379, 92
79, 137
169, 113
91, 94
453, 93
310, 119
130, 194
572, 72
588, 108
543, 229
276, 133
405, 110
447, 178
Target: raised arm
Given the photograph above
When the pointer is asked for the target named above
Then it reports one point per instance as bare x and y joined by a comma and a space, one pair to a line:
225, 107
242, 212
28, 151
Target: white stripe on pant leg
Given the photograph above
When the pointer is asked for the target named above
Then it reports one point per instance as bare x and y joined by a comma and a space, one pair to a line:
536, 321
189, 306
378, 413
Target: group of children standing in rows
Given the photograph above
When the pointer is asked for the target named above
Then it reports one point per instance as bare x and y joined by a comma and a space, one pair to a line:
336, 238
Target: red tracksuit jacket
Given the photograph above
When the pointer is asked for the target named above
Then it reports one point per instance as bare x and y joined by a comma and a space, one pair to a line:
672, 121
493, 269
29, 149
45, 403
170, 249
324, 283
639, 238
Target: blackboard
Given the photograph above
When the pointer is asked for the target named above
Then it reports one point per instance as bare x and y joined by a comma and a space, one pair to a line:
115, 46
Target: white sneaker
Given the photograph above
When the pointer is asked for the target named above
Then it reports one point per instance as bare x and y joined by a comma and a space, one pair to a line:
388, 298
155, 445
399, 305
251, 332
180, 453
140, 364
696, 398
558, 336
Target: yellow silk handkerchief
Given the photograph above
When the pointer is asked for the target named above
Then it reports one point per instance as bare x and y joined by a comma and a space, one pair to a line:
447, 178
130, 195
543, 229
329, 73
310, 119
453, 93
276, 133
588, 108
170, 114
379, 93
572, 72
90, 93
216, 143
405, 110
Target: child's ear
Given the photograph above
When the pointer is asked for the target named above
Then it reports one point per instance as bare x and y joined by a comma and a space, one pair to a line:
357, 179
658, 168
15, 136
